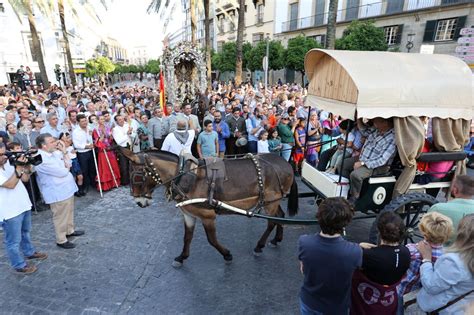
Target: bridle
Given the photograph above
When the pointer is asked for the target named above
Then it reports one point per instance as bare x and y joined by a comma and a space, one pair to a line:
139, 174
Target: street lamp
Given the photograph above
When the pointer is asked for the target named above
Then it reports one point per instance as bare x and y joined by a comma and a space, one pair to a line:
409, 44
266, 61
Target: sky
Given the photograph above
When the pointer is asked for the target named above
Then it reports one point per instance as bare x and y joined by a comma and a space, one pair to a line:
129, 23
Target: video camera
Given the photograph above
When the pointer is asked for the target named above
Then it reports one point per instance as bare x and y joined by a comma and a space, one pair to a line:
32, 157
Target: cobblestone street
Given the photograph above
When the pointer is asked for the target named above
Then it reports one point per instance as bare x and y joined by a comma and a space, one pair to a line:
123, 264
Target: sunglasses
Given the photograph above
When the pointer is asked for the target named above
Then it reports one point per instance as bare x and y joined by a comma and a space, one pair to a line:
39, 121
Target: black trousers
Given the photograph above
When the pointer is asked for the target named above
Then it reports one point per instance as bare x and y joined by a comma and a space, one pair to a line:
325, 157
124, 167
86, 160
158, 143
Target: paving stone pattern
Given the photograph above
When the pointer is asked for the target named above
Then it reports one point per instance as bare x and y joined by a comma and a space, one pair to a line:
123, 264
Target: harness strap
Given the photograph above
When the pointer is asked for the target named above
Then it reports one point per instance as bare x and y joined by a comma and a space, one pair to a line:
261, 190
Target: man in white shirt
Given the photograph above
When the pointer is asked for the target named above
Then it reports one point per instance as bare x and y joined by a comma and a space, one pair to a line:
122, 133
180, 140
82, 141
52, 127
57, 186
15, 214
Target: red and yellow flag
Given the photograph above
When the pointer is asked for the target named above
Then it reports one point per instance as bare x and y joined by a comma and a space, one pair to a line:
162, 94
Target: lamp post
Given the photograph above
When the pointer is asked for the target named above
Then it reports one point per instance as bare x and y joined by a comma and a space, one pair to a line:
266, 62
409, 44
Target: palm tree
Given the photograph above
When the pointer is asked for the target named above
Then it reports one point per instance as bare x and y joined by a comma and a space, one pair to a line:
192, 12
72, 75
331, 28
240, 40
21, 7
208, 41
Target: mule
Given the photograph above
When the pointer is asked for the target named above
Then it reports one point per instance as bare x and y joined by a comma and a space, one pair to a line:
239, 188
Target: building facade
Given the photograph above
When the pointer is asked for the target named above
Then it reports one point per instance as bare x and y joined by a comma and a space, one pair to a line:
409, 25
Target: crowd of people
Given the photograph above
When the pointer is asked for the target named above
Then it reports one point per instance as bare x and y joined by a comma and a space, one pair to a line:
77, 131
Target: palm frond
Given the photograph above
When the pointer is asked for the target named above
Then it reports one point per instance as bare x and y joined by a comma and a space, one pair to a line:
19, 7
154, 6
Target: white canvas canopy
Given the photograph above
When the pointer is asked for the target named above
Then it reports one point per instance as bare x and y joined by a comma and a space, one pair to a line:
386, 84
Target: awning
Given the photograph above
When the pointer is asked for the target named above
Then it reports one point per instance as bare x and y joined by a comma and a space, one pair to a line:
386, 84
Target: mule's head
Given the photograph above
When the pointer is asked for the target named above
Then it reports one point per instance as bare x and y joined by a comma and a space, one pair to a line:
143, 177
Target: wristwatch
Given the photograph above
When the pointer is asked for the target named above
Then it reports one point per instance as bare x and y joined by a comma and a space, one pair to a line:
426, 260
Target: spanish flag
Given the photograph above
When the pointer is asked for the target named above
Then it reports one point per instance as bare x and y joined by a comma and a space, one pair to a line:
162, 94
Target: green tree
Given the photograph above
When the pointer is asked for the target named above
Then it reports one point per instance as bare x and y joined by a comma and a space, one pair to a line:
275, 56
100, 66
296, 51
153, 66
362, 36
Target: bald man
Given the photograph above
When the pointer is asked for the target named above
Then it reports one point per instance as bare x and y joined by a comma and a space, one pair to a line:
180, 140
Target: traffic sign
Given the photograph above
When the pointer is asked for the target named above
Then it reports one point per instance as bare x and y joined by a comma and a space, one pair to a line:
466, 40
467, 31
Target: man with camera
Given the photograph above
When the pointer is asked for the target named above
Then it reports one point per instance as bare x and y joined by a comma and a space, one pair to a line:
15, 213
57, 186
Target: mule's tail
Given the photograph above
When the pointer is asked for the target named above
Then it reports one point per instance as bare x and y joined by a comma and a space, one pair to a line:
293, 199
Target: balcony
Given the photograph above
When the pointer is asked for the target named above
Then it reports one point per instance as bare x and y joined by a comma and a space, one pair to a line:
384, 7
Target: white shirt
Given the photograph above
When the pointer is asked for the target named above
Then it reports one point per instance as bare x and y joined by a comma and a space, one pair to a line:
51, 130
81, 138
13, 202
54, 179
120, 135
263, 146
171, 144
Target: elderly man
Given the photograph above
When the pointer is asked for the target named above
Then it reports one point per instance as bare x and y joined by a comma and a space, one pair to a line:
180, 140
157, 127
57, 187
15, 214
122, 134
52, 127
172, 120
376, 155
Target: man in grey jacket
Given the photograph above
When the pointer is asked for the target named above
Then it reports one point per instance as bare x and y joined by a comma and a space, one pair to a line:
157, 127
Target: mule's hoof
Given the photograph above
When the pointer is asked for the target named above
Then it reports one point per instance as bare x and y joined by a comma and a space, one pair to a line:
228, 258
257, 254
272, 245
176, 264
227, 262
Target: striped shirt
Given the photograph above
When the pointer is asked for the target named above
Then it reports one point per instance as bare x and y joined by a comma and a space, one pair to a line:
379, 149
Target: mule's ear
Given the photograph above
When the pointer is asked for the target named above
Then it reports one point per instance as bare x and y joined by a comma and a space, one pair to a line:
129, 155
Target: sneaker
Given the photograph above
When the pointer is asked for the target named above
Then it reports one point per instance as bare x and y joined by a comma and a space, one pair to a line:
38, 255
67, 245
28, 269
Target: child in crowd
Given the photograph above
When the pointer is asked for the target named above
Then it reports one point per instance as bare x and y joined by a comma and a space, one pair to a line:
208, 141
300, 140
436, 229
70, 160
263, 146
274, 142
336, 159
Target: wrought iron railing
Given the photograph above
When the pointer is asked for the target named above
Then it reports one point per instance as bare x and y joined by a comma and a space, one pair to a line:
375, 9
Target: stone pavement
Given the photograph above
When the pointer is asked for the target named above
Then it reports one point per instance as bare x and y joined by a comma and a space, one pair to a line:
123, 264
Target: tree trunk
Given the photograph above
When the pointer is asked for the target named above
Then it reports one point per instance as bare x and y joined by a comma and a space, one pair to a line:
240, 39
72, 75
331, 28
192, 7
208, 42
36, 44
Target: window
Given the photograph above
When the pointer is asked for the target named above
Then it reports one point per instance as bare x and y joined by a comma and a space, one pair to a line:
257, 37
260, 8
320, 39
232, 23
391, 34
221, 25
293, 16
445, 30
2, 8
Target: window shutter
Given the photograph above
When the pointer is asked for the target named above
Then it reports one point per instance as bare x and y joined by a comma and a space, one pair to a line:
459, 25
398, 40
430, 31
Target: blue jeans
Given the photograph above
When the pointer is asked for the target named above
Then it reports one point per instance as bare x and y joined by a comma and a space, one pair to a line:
17, 236
305, 310
286, 151
253, 147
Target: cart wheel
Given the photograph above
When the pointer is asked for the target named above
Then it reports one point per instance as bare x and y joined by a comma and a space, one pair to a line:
410, 207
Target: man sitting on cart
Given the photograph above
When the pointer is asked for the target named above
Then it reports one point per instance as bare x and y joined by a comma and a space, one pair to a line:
377, 154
